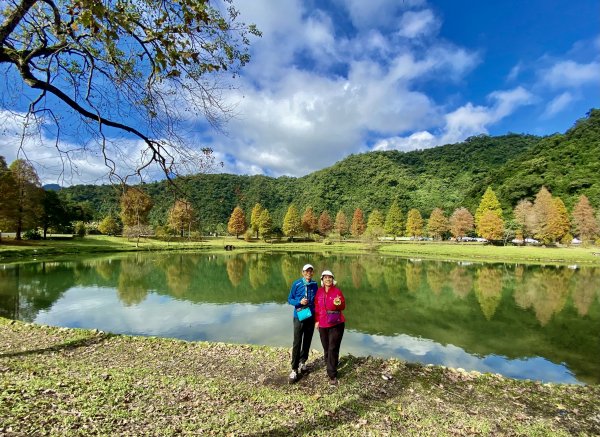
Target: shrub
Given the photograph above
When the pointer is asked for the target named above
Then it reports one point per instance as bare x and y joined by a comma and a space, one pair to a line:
79, 229
32, 234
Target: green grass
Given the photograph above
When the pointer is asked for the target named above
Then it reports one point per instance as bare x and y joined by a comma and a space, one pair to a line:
57, 381
11, 250
535, 254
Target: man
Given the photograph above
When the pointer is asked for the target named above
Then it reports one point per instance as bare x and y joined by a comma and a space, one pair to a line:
302, 295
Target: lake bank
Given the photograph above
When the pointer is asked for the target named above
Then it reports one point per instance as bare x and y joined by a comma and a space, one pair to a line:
13, 251
62, 381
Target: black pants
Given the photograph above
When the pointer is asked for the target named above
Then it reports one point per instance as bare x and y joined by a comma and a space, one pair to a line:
331, 339
303, 333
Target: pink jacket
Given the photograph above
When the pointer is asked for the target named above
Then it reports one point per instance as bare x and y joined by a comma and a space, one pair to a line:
324, 303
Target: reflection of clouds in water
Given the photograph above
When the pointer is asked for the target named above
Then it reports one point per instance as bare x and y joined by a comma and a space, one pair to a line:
427, 351
269, 324
163, 316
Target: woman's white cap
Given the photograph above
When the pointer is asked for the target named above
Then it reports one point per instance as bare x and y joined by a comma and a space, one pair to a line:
327, 273
307, 266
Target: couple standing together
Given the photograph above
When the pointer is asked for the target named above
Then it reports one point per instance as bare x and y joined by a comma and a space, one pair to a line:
325, 304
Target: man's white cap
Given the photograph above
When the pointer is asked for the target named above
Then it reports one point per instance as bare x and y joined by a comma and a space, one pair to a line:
326, 273
307, 266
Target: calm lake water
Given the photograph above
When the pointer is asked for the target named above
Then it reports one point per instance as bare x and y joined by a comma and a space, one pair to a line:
522, 321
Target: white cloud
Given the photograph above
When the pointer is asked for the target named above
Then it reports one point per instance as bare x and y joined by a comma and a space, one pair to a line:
418, 24
63, 162
295, 119
471, 120
377, 13
567, 74
314, 92
418, 140
558, 104
515, 72
466, 121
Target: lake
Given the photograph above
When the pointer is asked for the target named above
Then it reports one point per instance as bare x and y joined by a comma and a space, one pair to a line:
522, 321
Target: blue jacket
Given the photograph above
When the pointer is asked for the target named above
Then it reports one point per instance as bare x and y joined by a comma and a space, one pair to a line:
298, 290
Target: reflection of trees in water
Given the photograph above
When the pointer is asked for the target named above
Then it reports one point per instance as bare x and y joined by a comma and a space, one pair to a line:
26, 289
545, 290
488, 289
394, 275
179, 274
585, 286
105, 269
9, 293
461, 281
235, 270
375, 273
414, 272
342, 267
437, 276
291, 269
357, 272
134, 280
519, 273
258, 271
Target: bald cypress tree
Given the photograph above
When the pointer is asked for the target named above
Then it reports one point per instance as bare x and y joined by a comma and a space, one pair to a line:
255, 218
394, 221
414, 223
357, 228
584, 221
237, 222
489, 202
325, 225
438, 224
292, 224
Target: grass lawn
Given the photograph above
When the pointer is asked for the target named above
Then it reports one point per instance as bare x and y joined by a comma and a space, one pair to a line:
58, 381
11, 250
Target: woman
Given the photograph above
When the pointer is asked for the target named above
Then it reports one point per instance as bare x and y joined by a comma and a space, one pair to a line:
329, 303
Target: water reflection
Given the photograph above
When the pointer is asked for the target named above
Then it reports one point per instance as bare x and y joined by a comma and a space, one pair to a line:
538, 322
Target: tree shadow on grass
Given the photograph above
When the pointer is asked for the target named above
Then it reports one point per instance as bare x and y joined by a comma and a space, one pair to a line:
67, 345
351, 411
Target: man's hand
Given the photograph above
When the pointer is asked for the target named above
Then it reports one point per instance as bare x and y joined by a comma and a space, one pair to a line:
304, 301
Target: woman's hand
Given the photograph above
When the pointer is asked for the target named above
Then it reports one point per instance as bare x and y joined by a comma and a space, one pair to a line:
304, 301
316, 325
337, 301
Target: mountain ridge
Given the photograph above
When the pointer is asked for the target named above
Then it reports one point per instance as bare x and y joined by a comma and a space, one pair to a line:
449, 176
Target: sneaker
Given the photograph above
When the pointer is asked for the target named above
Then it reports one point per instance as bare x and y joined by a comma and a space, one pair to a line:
293, 377
302, 368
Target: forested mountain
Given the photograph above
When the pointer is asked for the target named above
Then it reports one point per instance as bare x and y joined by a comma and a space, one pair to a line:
449, 176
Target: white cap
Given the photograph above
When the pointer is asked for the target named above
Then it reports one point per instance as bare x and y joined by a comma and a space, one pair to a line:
307, 266
327, 273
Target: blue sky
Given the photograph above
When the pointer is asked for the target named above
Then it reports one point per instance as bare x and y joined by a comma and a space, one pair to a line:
331, 78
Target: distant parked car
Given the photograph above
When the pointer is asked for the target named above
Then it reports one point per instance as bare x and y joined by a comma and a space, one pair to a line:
526, 241
576, 241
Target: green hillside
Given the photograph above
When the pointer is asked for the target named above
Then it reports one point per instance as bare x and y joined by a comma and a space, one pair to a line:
449, 176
